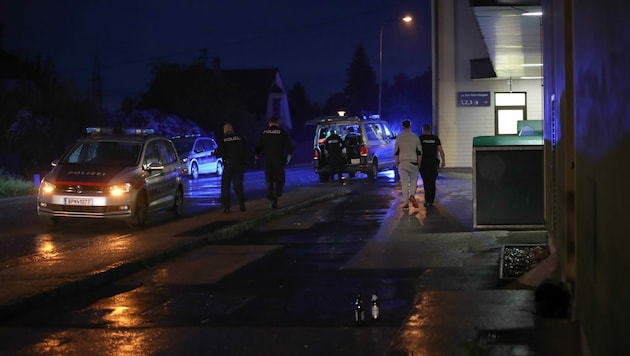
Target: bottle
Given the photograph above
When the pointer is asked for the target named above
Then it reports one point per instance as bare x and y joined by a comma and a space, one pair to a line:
359, 313
376, 310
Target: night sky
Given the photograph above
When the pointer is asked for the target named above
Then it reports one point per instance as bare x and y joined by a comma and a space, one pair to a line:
311, 42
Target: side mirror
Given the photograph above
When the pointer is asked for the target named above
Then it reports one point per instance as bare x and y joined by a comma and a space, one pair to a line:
154, 166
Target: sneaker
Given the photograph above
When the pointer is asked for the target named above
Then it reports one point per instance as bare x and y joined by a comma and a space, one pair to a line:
413, 201
406, 207
274, 204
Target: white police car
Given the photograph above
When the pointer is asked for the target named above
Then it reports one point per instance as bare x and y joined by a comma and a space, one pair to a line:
197, 154
113, 173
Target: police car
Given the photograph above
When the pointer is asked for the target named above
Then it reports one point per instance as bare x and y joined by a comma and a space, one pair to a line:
369, 144
113, 174
197, 154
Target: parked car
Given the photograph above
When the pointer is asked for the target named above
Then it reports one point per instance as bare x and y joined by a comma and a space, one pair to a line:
369, 145
197, 153
117, 174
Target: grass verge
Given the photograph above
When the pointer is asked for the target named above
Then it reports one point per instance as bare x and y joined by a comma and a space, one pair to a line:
11, 186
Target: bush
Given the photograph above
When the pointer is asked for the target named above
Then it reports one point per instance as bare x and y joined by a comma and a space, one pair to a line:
12, 187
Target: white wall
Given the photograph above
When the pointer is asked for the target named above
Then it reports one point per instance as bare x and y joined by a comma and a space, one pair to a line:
457, 41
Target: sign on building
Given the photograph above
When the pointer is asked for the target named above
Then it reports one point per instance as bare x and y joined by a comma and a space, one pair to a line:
473, 98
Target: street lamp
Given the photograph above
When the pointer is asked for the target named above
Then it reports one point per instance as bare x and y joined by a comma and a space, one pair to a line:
405, 19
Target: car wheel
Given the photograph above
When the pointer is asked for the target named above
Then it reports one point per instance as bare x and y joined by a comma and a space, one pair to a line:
142, 209
178, 204
373, 172
194, 170
219, 168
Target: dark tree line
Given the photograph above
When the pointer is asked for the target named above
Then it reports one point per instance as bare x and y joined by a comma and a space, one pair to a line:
43, 115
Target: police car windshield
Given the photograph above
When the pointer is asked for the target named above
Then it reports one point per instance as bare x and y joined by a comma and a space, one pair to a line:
123, 154
183, 146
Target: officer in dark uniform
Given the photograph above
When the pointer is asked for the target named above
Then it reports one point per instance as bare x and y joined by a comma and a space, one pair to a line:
276, 148
431, 147
334, 146
236, 158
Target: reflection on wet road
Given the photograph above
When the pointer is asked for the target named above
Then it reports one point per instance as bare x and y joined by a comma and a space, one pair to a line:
25, 238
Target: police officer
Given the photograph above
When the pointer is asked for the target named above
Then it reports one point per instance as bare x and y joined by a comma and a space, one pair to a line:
236, 158
431, 146
276, 148
334, 146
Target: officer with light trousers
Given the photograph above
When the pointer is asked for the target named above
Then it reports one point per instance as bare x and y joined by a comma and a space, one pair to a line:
408, 156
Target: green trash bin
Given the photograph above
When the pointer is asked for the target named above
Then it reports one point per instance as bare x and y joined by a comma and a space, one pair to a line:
508, 182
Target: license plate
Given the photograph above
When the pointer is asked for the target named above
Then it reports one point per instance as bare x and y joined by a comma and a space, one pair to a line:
78, 201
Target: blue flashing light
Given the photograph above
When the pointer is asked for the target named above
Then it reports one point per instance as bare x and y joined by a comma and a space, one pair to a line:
112, 131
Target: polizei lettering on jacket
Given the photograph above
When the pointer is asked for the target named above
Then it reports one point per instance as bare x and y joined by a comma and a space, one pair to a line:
231, 138
272, 132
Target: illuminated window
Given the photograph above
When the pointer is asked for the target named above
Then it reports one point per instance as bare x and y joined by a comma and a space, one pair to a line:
509, 109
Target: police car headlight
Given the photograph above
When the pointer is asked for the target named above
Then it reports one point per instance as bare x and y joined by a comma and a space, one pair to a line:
118, 189
46, 187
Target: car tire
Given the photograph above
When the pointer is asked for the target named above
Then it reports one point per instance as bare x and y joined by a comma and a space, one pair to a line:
373, 172
141, 212
194, 170
178, 203
219, 168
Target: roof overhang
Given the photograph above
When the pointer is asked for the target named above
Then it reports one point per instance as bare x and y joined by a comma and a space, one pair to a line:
513, 36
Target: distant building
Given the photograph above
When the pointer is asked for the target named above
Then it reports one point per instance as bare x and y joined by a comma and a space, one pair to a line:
262, 90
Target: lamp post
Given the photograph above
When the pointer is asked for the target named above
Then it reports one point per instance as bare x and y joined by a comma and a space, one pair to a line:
406, 19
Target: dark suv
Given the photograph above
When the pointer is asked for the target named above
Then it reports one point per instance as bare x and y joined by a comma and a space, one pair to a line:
369, 145
117, 174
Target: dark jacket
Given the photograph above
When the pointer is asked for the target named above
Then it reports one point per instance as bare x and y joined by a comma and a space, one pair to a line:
233, 150
274, 143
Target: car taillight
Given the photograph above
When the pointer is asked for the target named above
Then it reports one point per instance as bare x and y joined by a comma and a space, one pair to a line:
315, 154
364, 150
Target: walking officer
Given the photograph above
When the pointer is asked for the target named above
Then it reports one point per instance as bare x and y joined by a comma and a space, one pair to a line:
276, 148
236, 158
431, 147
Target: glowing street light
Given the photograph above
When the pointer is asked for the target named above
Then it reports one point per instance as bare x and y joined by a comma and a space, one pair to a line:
406, 19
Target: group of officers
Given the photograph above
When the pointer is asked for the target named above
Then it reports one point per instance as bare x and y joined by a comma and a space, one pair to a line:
414, 155
273, 143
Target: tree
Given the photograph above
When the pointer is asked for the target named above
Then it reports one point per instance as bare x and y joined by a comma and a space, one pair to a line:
41, 116
409, 98
361, 89
301, 110
203, 95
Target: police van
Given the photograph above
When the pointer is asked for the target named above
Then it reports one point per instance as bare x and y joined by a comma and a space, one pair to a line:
113, 174
369, 145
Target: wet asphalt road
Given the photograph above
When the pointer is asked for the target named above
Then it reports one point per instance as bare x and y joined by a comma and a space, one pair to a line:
301, 286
